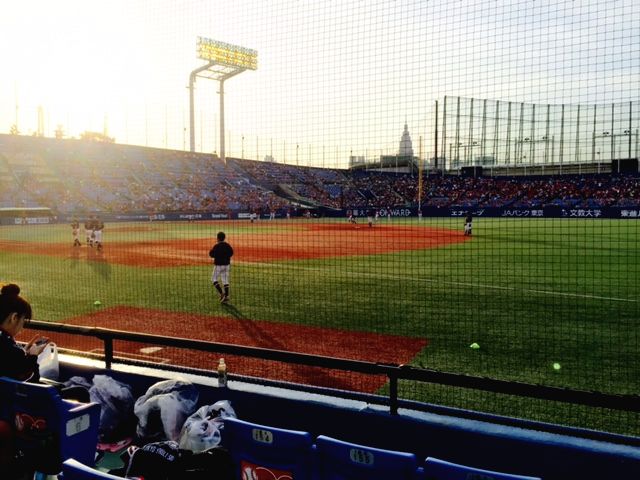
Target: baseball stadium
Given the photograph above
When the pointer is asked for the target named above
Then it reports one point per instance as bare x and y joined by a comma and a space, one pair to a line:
432, 209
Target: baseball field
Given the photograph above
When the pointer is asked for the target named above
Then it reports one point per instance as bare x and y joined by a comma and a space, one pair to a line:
550, 301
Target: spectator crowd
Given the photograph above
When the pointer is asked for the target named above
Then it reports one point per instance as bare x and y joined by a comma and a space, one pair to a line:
75, 176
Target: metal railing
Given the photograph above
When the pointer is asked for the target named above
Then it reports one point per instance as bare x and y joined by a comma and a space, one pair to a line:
394, 372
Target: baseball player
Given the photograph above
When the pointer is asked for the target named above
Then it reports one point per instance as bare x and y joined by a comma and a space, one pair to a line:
221, 253
75, 230
98, 227
88, 230
468, 223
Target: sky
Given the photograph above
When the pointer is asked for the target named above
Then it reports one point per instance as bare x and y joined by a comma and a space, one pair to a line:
334, 78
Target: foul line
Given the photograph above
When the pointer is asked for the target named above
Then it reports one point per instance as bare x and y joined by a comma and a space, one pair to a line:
446, 282
133, 356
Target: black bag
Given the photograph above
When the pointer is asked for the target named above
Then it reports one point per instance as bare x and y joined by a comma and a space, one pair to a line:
155, 461
165, 461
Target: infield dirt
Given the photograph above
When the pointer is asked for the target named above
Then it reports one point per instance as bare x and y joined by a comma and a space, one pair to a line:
295, 242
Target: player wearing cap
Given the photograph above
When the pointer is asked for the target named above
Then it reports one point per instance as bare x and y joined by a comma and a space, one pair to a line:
221, 253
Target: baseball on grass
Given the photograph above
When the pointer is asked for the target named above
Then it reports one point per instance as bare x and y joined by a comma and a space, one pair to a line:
556, 366
97, 303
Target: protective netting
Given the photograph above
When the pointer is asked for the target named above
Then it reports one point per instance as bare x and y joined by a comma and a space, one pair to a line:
450, 185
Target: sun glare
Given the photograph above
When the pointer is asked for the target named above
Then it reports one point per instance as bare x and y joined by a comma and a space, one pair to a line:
68, 59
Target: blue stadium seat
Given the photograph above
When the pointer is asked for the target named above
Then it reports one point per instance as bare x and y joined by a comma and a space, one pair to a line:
74, 470
338, 460
49, 429
255, 448
436, 469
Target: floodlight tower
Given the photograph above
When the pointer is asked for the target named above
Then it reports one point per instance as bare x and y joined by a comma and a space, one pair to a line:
223, 62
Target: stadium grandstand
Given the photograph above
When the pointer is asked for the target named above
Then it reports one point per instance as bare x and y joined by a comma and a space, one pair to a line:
54, 174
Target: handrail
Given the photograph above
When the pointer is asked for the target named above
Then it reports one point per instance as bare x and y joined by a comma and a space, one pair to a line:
394, 372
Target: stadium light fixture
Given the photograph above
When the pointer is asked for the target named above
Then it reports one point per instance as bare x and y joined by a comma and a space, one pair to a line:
226, 54
223, 62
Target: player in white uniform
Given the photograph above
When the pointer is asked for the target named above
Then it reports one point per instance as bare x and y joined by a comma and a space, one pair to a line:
468, 224
221, 253
88, 230
98, 227
75, 230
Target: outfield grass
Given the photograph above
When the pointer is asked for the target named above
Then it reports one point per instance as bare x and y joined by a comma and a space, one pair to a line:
530, 292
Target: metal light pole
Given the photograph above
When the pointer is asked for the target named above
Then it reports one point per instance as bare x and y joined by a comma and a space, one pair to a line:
222, 79
224, 61
191, 87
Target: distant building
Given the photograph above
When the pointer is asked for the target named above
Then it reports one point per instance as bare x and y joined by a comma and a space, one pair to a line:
406, 147
404, 161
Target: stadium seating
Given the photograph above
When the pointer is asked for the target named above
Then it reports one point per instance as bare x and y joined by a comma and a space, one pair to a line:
72, 178
436, 469
74, 470
339, 460
49, 429
255, 448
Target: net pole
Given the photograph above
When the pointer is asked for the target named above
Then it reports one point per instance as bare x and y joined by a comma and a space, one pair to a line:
420, 168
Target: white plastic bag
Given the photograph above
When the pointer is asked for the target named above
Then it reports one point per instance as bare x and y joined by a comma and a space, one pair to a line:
203, 430
164, 408
48, 362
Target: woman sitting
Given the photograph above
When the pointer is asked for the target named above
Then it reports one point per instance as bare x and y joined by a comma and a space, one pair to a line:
15, 361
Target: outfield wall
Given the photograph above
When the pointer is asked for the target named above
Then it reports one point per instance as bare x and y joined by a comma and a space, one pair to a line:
359, 212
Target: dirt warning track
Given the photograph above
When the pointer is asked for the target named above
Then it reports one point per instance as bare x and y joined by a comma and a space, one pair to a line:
364, 346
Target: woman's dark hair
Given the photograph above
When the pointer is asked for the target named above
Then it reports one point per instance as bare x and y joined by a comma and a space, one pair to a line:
12, 302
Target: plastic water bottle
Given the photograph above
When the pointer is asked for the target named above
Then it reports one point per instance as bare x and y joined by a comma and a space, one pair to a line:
222, 373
